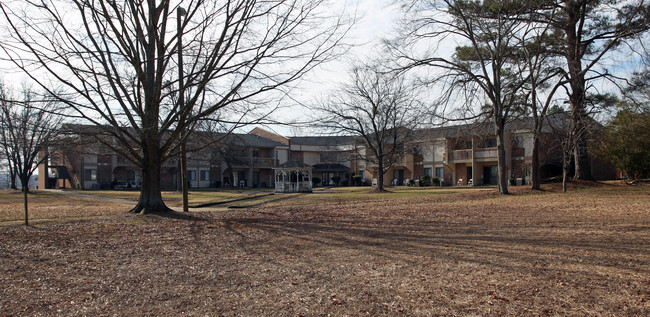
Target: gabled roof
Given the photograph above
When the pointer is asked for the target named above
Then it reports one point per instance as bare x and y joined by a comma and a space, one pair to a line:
482, 128
254, 140
324, 140
269, 135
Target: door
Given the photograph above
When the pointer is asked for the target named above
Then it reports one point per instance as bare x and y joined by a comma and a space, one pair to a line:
399, 176
469, 175
240, 179
256, 179
490, 175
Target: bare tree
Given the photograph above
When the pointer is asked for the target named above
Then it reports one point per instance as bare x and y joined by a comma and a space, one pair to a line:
542, 71
7, 150
27, 125
482, 73
119, 64
568, 133
380, 108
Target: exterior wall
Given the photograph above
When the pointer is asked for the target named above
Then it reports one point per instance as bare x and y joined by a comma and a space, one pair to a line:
282, 155
439, 151
602, 170
460, 173
311, 158
298, 156
93, 168
428, 152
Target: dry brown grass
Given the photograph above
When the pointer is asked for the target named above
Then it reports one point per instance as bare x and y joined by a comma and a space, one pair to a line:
586, 252
51, 205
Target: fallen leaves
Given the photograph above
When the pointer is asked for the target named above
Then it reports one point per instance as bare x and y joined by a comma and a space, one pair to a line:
470, 253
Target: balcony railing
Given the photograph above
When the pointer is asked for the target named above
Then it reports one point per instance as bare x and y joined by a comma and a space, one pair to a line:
257, 162
486, 153
461, 155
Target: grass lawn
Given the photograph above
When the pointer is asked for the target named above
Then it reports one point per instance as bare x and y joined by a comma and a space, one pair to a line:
342, 251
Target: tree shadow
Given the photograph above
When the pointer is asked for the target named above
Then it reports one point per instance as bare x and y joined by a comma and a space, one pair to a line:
503, 247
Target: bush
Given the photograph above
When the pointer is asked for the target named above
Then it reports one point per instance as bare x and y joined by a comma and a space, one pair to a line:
435, 181
356, 180
336, 180
315, 180
625, 142
426, 181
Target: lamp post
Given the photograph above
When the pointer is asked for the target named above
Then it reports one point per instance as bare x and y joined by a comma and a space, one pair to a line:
180, 12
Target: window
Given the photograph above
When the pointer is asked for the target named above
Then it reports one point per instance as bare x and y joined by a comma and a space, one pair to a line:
91, 175
492, 142
440, 172
191, 175
205, 175
256, 153
362, 173
328, 157
427, 171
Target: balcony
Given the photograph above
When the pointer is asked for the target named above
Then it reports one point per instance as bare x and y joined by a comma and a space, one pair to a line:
461, 155
263, 162
257, 162
479, 154
486, 153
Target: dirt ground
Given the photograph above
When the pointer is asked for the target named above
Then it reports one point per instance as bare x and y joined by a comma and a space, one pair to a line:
582, 253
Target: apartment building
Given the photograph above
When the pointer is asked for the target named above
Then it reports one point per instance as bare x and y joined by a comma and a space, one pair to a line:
466, 155
456, 155
235, 160
331, 157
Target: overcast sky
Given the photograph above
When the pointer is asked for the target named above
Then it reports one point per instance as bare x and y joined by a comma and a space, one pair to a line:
376, 20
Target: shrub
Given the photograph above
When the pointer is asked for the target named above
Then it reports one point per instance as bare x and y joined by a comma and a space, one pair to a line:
356, 180
315, 180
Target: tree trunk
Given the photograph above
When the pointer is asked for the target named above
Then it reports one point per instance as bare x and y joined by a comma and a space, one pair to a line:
582, 162
12, 176
24, 180
380, 177
151, 201
575, 13
565, 172
534, 164
502, 181
26, 209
